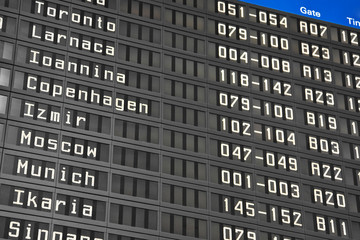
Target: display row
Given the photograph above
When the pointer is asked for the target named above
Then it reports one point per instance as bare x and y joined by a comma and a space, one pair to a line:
105, 47
174, 225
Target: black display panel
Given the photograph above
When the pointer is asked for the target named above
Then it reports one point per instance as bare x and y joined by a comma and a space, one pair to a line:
177, 119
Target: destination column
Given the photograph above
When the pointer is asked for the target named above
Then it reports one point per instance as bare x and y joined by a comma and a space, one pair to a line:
50, 168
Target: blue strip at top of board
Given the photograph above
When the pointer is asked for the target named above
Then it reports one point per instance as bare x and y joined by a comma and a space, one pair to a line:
344, 12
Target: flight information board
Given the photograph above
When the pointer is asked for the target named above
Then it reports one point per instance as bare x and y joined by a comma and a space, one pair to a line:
177, 119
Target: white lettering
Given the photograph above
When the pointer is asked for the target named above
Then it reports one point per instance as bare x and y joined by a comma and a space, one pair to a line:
25, 136
34, 55
1, 23
16, 227
34, 32
39, 6
354, 22
309, 12
18, 197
